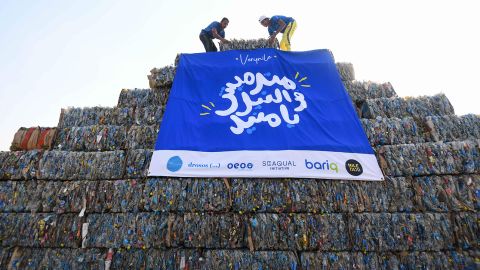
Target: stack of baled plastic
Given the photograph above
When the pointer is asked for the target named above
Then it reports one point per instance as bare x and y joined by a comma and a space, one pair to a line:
87, 203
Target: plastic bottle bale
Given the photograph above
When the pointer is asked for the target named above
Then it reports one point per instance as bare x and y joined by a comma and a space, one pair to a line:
17, 196
214, 230
396, 160
49, 195
68, 231
466, 229
463, 259
26, 258
164, 194
127, 195
152, 230
110, 230
20, 196
53, 164
99, 196
207, 195
61, 165
268, 195
5, 255
30, 230
138, 98
272, 231
173, 259
243, 259
247, 44
88, 116
71, 197
108, 165
138, 162
371, 232
305, 195
346, 71
389, 131
105, 138
321, 232
422, 232
414, 260
384, 107
455, 193
360, 91
163, 94
429, 105
161, 77
367, 260
328, 192
441, 105
66, 258
7, 230
465, 157
325, 260
19, 165
462, 192
392, 195
126, 116
142, 137
150, 115
472, 125
24, 196
397, 193
7, 196
129, 259
346, 196
430, 194
446, 128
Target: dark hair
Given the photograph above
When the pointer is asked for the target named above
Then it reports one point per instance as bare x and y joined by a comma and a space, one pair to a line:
225, 19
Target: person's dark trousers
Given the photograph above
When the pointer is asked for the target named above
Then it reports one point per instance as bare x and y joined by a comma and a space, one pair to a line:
207, 43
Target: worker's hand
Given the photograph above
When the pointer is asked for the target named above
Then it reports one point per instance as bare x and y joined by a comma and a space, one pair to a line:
225, 41
271, 39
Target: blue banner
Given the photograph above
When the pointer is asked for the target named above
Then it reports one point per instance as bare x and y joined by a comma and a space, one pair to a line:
253, 107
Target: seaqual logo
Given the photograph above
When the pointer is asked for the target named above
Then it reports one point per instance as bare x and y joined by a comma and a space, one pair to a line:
174, 164
245, 166
321, 166
353, 167
279, 165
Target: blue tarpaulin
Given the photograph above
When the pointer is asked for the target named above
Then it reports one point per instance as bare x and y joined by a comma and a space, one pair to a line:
261, 113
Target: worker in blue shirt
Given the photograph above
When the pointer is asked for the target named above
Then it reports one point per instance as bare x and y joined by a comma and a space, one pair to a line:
214, 30
279, 24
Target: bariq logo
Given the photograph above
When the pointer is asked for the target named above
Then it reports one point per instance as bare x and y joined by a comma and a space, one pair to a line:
324, 166
174, 164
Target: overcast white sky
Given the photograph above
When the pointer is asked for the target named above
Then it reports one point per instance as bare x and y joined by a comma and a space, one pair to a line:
55, 54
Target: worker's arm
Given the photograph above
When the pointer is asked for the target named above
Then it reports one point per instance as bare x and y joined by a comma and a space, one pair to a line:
281, 26
216, 35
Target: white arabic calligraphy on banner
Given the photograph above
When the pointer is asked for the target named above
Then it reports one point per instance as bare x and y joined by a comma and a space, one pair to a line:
280, 96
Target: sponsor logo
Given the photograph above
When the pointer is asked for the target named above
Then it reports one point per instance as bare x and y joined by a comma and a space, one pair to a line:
323, 166
240, 166
196, 165
174, 164
353, 167
279, 165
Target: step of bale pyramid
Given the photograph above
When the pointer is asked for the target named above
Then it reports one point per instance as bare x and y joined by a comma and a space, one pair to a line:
86, 202
407, 107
